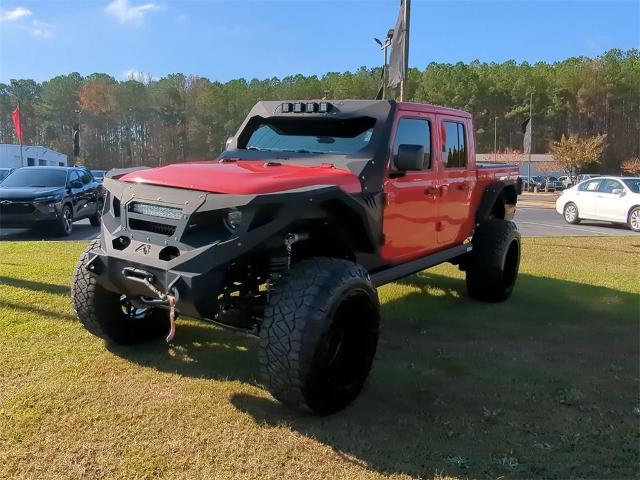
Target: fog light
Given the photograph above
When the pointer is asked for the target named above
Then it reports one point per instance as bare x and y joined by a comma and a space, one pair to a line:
233, 219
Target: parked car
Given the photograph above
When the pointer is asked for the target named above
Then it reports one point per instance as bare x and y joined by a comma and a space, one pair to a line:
611, 199
536, 184
566, 181
289, 232
552, 184
56, 196
586, 176
98, 174
4, 173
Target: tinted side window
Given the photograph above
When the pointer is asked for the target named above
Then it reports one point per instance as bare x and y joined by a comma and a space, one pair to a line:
455, 146
591, 186
413, 131
608, 186
73, 175
86, 177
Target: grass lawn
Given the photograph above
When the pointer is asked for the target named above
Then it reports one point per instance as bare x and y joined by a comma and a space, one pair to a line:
544, 385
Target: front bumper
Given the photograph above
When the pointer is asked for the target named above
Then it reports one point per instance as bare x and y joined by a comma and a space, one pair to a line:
194, 253
28, 214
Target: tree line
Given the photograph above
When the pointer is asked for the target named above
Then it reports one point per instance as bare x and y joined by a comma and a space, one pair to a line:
145, 121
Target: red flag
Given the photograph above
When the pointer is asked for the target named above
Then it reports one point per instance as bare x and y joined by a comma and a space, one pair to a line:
17, 122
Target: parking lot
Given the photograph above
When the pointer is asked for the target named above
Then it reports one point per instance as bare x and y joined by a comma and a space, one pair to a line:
535, 217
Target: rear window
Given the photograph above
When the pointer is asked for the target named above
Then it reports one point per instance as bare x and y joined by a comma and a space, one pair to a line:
299, 135
633, 184
454, 147
36, 178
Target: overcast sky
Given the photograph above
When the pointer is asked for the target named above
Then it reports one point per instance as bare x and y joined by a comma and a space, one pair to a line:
228, 39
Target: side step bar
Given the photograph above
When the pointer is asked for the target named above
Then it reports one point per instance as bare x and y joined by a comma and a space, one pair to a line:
399, 271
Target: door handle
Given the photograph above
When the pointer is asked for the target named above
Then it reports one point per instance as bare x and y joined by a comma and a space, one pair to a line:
432, 191
444, 189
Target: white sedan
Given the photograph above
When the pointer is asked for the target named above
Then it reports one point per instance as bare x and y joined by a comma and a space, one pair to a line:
610, 199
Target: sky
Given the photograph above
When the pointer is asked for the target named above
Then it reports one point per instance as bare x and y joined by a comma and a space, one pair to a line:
226, 39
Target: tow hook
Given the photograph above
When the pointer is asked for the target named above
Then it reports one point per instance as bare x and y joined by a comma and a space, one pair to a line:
169, 299
172, 317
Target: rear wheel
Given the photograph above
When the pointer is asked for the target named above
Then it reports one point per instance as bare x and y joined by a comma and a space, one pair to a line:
570, 213
109, 315
634, 219
319, 334
492, 268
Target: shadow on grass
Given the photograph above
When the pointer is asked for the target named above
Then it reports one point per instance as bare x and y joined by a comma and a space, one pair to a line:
527, 388
35, 286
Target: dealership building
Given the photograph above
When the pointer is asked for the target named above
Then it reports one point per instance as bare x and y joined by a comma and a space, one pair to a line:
32, 156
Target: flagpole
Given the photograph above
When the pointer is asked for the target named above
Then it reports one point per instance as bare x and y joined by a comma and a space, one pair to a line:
407, 21
20, 136
531, 137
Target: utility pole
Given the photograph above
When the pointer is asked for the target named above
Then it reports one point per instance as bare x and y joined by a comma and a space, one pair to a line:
407, 21
531, 127
495, 139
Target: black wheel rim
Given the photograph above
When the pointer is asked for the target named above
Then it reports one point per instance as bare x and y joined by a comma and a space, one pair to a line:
67, 220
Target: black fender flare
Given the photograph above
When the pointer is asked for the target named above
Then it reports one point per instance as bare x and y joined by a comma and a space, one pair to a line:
491, 195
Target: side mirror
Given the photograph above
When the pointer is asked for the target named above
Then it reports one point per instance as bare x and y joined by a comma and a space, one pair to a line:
75, 184
410, 157
619, 192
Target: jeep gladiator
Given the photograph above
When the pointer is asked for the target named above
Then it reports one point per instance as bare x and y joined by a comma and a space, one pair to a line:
287, 234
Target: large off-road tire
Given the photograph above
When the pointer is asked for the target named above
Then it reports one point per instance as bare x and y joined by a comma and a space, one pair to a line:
319, 334
108, 315
633, 221
492, 267
571, 214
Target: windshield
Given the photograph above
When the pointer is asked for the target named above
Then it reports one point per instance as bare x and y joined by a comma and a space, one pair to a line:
633, 184
333, 136
36, 178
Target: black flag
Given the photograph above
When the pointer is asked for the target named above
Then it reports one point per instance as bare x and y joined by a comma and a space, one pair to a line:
396, 63
526, 129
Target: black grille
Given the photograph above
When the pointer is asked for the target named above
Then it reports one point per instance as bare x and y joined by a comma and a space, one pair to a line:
153, 227
16, 207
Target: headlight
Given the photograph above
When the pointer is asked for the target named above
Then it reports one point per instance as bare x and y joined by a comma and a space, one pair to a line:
48, 199
233, 219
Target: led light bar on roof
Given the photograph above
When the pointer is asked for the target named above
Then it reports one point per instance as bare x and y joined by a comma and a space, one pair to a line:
155, 210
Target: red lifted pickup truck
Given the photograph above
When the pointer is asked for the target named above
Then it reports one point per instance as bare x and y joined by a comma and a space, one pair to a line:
289, 232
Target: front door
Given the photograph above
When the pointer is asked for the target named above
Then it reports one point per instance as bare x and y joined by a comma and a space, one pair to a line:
611, 206
412, 197
457, 181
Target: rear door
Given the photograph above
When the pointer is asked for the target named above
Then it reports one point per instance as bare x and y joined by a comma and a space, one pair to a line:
411, 206
587, 197
456, 180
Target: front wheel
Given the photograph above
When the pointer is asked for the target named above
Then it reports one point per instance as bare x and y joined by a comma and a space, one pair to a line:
109, 315
634, 219
570, 213
65, 222
493, 265
319, 334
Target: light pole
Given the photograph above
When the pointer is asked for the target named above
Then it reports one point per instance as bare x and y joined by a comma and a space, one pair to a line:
384, 46
495, 139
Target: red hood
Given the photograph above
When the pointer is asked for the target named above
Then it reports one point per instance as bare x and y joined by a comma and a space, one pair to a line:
245, 177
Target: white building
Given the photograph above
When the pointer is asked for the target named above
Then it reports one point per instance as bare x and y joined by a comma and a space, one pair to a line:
33, 156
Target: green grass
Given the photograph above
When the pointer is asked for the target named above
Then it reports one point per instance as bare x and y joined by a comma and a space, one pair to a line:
544, 385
